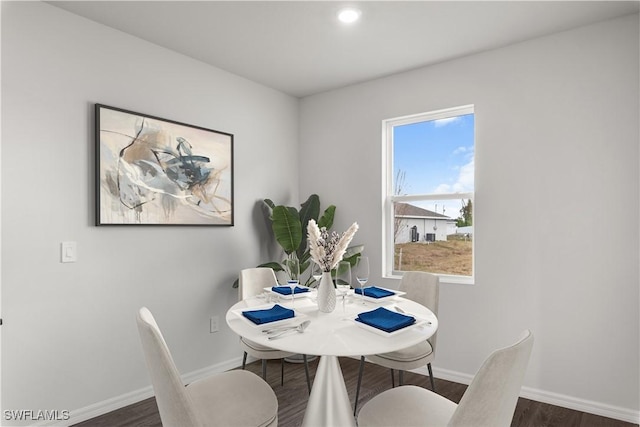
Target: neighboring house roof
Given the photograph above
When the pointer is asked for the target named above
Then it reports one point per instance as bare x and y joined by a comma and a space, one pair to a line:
407, 210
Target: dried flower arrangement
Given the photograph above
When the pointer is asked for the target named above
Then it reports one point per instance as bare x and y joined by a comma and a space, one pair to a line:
327, 249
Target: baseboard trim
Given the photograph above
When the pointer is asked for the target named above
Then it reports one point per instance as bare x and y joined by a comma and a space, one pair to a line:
583, 405
106, 406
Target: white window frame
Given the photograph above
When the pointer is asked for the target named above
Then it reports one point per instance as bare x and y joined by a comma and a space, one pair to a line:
389, 198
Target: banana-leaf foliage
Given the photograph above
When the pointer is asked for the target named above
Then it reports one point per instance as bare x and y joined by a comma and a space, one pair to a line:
289, 227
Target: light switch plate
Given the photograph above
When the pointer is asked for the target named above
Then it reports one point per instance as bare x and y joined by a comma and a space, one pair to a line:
68, 252
214, 324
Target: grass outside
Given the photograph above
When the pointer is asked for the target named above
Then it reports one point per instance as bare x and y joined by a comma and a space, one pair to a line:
453, 256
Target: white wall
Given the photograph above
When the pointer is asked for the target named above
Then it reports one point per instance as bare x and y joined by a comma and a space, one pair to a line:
557, 138
69, 339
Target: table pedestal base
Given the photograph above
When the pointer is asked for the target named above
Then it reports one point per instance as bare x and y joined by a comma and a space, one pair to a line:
329, 401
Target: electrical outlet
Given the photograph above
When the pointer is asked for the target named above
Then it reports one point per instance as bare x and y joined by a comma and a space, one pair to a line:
213, 324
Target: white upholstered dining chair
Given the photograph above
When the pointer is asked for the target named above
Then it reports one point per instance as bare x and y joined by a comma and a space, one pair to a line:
489, 401
233, 398
252, 282
423, 288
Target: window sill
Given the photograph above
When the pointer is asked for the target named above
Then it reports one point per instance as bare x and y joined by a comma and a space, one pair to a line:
444, 279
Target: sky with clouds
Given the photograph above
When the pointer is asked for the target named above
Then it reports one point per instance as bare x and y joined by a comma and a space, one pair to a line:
436, 157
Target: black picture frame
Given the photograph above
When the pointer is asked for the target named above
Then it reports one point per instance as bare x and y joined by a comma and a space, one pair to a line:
155, 171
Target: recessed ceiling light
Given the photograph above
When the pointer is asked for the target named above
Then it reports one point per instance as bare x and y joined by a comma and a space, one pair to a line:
349, 15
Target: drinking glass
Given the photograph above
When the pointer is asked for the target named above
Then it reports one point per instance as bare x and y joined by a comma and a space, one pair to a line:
343, 280
316, 272
292, 268
362, 273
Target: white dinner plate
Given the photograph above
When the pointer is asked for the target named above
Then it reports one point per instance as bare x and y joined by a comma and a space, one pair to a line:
295, 296
383, 299
419, 324
297, 316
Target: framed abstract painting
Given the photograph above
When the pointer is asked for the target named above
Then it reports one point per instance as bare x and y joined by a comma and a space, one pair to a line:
153, 171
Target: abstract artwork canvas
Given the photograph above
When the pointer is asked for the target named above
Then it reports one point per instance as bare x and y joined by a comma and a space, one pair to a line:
153, 171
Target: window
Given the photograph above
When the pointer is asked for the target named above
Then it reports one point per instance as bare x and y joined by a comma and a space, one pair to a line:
429, 194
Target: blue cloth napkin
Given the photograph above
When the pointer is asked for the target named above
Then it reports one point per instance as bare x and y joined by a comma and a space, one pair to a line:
375, 292
286, 290
385, 320
273, 314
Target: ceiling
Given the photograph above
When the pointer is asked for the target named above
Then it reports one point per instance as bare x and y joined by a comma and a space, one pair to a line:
298, 47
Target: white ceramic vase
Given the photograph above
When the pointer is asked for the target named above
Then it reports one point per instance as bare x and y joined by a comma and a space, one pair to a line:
326, 293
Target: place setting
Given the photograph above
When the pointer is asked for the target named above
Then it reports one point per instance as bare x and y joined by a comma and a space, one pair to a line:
292, 290
388, 320
375, 294
271, 317
299, 291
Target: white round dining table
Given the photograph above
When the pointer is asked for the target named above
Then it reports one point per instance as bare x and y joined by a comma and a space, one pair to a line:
330, 335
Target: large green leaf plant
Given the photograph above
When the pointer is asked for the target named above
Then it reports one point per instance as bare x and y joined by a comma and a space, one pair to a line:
289, 227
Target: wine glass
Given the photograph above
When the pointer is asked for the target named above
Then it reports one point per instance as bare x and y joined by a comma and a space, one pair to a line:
343, 280
362, 273
292, 268
316, 272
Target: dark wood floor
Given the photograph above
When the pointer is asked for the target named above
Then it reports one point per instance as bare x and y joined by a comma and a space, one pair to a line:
292, 399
